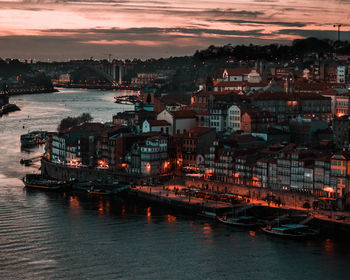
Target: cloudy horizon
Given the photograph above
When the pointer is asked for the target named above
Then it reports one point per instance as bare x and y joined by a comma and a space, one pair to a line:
61, 30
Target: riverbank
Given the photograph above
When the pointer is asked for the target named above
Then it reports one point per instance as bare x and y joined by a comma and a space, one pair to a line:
272, 199
20, 91
173, 197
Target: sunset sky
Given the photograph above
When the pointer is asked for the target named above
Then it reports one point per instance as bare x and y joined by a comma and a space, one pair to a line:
61, 30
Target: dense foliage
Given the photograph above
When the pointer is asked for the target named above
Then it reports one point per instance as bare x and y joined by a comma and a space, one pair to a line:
69, 122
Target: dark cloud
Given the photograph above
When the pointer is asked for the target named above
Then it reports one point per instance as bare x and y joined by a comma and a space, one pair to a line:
233, 12
280, 23
146, 32
322, 34
95, 42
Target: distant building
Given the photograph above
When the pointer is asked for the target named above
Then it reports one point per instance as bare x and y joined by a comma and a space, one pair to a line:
254, 120
304, 130
286, 106
341, 74
180, 121
233, 122
156, 126
341, 132
196, 143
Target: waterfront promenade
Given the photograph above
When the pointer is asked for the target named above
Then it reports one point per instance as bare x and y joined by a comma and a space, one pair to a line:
175, 197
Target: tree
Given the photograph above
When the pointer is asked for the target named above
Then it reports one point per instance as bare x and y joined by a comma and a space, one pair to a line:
69, 122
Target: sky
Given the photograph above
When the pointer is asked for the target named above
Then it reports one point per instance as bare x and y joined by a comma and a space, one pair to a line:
75, 29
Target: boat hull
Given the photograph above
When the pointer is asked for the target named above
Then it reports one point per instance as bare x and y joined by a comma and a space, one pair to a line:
237, 223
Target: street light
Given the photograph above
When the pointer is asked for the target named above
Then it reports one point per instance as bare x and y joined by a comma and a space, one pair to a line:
338, 26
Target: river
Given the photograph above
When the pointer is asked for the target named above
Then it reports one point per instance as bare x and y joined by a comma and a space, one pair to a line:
56, 236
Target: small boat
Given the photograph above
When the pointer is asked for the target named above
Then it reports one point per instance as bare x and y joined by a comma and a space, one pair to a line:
207, 214
37, 181
26, 162
242, 221
27, 141
99, 192
33, 138
297, 231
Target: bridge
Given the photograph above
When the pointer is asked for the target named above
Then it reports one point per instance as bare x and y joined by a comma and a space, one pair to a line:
113, 71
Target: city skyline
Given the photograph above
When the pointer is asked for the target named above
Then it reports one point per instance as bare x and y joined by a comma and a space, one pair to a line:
61, 30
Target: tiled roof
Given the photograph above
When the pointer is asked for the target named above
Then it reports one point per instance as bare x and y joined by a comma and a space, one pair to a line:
183, 114
159, 123
285, 96
238, 71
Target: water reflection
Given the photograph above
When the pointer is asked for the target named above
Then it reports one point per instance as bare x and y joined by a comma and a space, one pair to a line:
149, 214
104, 207
329, 246
74, 205
170, 219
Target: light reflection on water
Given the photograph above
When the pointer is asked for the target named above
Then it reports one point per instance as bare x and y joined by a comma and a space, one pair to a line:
56, 236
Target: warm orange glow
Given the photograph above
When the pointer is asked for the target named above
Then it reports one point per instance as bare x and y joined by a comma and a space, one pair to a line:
209, 171
124, 165
123, 211
328, 189
149, 214
102, 164
252, 233
329, 245
148, 166
236, 175
171, 219
74, 205
340, 115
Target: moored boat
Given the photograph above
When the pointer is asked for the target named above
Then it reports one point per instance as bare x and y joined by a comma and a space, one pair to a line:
297, 231
37, 181
208, 214
242, 221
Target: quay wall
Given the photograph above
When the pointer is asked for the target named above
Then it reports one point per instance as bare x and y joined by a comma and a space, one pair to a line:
289, 199
61, 172
171, 203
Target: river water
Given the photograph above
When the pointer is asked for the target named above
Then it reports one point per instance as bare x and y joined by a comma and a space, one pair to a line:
56, 236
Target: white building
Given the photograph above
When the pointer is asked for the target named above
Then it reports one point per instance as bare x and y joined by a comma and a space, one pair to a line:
341, 74
254, 77
156, 126
235, 75
58, 148
233, 118
180, 121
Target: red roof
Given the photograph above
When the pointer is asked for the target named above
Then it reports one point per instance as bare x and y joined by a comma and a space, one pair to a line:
238, 71
285, 96
183, 114
228, 83
200, 130
159, 123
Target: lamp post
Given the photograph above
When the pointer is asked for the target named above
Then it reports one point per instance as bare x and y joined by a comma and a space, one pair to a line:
338, 26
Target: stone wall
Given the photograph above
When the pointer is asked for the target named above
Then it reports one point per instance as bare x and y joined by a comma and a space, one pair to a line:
291, 199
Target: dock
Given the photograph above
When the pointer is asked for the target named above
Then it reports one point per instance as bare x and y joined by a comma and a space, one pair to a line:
173, 197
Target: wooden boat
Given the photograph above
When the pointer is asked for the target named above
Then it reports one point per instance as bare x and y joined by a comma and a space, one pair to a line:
37, 181
242, 221
297, 231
